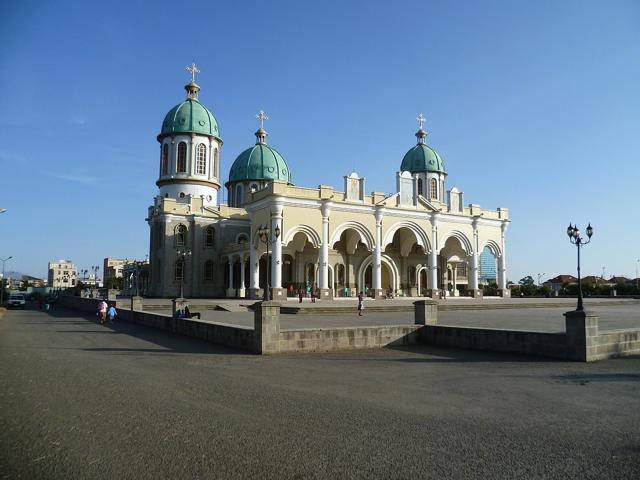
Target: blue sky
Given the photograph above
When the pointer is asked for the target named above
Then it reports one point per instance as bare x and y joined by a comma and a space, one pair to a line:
533, 106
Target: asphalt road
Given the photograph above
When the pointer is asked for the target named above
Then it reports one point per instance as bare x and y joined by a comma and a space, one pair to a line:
78, 400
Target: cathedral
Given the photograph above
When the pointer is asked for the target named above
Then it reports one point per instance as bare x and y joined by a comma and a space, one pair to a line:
272, 234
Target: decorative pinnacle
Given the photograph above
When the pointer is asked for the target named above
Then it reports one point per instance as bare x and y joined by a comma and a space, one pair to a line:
193, 70
261, 116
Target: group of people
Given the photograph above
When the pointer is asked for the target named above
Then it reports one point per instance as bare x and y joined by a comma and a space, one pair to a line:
105, 312
186, 313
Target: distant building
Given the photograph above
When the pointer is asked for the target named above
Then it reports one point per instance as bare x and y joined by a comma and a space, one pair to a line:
555, 284
28, 281
488, 267
113, 268
62, 274
618, 280
136, 278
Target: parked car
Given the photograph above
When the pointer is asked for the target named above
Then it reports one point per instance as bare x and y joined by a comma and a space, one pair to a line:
16, 300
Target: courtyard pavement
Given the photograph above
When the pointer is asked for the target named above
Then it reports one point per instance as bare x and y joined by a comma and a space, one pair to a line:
79, 400
541, 319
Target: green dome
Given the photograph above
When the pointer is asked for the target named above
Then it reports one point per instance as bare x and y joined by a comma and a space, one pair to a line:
422, 158
190, 117
259, 162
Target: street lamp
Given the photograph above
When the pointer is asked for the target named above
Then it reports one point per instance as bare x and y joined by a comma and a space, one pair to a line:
182, 253
539, 277
95, 269
573, 232
2, 284
264, 233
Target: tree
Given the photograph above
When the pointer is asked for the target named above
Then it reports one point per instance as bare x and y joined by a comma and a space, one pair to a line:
528, 280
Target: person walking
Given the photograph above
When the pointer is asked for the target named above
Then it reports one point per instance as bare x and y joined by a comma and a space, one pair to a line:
111, 313
102, 312
300, 295
314, 293
360, 304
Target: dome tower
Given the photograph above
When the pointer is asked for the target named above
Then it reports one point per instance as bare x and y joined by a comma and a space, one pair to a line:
190, 149
254, 168
425, 166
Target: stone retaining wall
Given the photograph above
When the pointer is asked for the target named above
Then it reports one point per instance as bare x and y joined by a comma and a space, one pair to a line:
581, 341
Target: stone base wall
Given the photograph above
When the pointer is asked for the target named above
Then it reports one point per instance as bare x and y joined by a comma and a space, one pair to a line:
235, 337
617, 343
509, 341
328, 340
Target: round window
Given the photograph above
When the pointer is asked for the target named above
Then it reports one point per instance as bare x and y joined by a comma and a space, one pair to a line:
209, 198
270, 169
202, 123
181, 194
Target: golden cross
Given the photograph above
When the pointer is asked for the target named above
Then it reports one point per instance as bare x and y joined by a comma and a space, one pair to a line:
193, 70
261, 118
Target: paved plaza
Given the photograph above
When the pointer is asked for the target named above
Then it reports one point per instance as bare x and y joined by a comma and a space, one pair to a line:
79, 400
614, 314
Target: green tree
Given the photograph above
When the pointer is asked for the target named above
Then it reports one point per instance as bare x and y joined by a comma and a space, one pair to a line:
528, 280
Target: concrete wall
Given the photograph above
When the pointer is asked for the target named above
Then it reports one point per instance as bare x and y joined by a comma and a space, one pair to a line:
528, 343
326, 340
581, 342
236, 337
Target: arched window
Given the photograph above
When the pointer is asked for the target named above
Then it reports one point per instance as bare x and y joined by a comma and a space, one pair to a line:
165, 159
181, 235
242, 239
254, 187
209, 237
433, 187
419, 186
179, 270
208, 270
216, 163
201, 159
182, 158
238, 202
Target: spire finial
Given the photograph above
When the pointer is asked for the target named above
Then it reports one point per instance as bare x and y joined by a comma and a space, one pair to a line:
261, 134
421, 134
192, 88
193, 70
261, 116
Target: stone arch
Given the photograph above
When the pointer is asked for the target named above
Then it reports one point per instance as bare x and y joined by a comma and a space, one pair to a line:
464, 241
365, 235
311, 234
493, 246
242, 236
413, 227
386, 260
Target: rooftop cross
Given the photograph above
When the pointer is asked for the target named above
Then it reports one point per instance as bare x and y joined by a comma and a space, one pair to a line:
261, 118
193, 70
420, 118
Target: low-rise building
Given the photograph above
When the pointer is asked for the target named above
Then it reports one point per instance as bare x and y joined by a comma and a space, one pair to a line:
555, 284
61, 274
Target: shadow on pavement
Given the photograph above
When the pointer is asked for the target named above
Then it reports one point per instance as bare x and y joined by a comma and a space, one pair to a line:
170, 342
450, 354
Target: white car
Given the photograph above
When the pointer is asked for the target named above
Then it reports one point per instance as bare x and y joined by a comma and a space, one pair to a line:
16, 300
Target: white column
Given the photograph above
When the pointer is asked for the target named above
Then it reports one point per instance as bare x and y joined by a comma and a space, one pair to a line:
254, 272
323, 277
433, 255
502, 263
242, 264
377, 253
473, 278
276, 247
454, 279
231, 263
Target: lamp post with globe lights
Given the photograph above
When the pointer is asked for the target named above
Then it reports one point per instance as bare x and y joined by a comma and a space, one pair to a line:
182, 253
573, 232
264, 233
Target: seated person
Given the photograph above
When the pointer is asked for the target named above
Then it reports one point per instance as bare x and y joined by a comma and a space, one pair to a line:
189, 314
